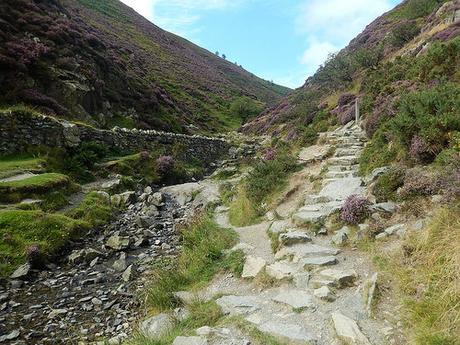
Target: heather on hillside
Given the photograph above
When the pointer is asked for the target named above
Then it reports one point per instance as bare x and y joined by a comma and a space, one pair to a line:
102, 63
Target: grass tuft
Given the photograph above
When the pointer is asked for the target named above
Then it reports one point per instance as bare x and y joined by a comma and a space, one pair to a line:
201, 258
428, 276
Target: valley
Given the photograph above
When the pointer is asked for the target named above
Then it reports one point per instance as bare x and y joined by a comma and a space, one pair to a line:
154, 193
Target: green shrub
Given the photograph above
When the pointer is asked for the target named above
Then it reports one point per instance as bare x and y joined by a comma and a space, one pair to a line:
245, 108
387, 184
404, 33
269, 176
77, 162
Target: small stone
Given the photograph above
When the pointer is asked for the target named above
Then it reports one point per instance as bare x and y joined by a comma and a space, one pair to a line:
348, 331
10, 336
21, 272
341, 236
281, 270
96, 301
370, 289
156, 199
148, 190
253, 266
126, 276
325, 294
301, 280
120, 264
56, 312
394, 229
117, 242
381, 236
319, 261
342, 278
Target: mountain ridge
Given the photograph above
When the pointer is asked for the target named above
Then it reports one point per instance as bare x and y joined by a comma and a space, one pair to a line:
104, 64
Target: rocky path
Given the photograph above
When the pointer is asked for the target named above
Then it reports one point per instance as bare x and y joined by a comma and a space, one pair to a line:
321, 292
94, 291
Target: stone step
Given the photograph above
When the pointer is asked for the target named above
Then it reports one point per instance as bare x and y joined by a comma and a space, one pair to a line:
341, 278
345, 160
307, 250
297, 299
347, 152
338, 168
319, 261
282, 270
293, 333
341, 174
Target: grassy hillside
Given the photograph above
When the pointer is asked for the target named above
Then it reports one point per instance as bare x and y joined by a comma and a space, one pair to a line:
100, 62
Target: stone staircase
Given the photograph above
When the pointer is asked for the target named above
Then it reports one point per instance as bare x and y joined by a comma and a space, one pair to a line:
321, 293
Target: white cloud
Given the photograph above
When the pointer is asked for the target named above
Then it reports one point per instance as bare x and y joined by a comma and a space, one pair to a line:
316, 53
328, 25
178, 16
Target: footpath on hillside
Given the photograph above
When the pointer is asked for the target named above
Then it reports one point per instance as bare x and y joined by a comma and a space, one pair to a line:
312, 289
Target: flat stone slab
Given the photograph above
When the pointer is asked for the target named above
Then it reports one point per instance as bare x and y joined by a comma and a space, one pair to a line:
306, 250
305, 217
190, 341
348, 331
288, 331
253, 266
342, 278
281, 270
319, 261
238, 305
297, 299
293, 237
342, 188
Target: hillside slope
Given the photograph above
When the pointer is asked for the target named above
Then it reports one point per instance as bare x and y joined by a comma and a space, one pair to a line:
416, 33
102, 63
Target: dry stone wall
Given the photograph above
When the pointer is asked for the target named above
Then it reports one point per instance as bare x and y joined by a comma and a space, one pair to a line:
21, 131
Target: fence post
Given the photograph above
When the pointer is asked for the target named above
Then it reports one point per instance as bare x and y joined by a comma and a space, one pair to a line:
356, 110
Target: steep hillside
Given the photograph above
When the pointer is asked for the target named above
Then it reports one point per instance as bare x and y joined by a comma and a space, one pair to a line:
101, 63
410, 48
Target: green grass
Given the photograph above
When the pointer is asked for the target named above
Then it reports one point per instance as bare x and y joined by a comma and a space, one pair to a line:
427, 277
201, 258
12, 165
258, 189
33, 186
21, 229
242, 210
201, 314
95, 210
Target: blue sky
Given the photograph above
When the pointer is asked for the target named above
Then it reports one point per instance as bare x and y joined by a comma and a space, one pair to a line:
280, 40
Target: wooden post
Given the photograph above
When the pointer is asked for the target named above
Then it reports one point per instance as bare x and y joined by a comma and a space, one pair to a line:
356, 110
